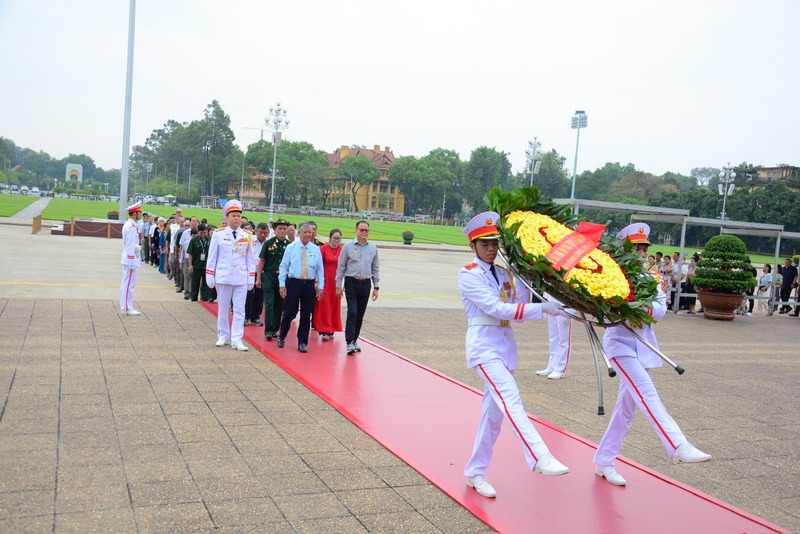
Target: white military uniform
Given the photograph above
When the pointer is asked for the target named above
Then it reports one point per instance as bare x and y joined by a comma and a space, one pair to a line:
231, 268
559, 332
131, 260
632, 359
492, 351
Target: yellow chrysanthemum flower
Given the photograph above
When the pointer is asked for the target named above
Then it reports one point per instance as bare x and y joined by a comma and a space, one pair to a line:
597, 271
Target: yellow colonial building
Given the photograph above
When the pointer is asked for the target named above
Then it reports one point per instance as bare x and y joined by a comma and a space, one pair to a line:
379, 196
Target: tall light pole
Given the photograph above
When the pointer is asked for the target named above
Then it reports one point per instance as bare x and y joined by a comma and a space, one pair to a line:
126, 127
277, 122
579, 120
533, 157
725, 185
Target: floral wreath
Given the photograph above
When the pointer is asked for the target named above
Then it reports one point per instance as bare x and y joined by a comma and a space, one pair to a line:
608, 282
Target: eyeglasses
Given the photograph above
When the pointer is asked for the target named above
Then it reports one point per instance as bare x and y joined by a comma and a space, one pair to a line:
363, 229
336, 238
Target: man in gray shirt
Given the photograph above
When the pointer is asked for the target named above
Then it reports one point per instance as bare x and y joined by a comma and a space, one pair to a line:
358, 264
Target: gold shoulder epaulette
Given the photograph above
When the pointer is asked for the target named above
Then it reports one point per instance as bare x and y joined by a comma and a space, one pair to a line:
218, 229
248, 231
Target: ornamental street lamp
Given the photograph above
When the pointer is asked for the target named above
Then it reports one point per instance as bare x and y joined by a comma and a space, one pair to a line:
725, 185
533, 157
277, 122
579, 120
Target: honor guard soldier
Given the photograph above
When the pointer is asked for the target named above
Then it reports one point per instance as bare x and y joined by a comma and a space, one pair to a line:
633, 360
493, 298
131, 259
231, 269
559, 333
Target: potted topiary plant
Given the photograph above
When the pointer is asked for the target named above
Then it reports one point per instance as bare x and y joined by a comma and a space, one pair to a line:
722, 276
113, 215
408, 236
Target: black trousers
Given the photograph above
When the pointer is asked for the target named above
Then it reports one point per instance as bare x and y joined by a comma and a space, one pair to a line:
357, 296
786, 294
254, 304
300, 295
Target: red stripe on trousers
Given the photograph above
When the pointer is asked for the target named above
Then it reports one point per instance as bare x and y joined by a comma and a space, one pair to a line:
652, 417
508, 415
128, 289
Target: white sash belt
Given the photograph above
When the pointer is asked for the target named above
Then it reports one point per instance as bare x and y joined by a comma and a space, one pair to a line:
486, 321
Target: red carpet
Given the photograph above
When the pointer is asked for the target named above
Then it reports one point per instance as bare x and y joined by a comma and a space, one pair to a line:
429, 421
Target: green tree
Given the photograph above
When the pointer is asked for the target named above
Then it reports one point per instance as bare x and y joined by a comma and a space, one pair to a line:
681, 182
455, 195
704, 175
590, 185
487, 168
422, 181
357, 171
641, 186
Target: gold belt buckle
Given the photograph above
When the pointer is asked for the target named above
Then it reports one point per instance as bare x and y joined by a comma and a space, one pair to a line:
505, 322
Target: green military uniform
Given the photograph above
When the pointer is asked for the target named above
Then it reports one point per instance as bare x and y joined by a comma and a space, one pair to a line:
198, 248
272, 253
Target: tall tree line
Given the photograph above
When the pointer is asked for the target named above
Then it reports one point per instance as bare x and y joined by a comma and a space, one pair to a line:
196, 158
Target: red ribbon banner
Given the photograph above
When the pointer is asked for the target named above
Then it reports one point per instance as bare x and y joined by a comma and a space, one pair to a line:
569, 251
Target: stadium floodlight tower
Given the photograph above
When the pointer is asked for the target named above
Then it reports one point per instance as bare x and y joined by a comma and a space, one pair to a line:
725, 186
277, 123
579, 120
533, 157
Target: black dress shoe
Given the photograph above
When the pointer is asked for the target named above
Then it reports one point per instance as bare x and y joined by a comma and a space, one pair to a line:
302, 347
281, 342
269, 335
256, 322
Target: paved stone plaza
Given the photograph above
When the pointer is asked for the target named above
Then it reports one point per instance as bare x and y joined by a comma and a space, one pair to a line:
114, 423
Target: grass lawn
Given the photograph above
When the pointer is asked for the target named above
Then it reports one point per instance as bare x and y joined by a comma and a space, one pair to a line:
11, 204
62, 209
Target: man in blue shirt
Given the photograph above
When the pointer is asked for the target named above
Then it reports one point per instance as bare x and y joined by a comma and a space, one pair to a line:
301, 278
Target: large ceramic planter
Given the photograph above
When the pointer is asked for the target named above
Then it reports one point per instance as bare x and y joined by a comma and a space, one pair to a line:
719, 306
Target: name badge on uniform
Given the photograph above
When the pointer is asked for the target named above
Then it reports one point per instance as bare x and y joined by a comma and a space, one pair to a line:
203, 256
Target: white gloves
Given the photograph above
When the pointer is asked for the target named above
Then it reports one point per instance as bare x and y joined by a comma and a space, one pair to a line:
137, 249
249, 287
551, 309
210, 283
131, 267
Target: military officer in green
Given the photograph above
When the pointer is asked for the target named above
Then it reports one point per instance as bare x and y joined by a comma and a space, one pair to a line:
267, 277
196, 255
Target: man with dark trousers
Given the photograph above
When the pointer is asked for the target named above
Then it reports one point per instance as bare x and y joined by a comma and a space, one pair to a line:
301, 278
789, 283
358, 265
269, 263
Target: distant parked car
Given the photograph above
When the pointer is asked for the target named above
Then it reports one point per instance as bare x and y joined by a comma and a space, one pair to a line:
24, 189
36, 191
14, 187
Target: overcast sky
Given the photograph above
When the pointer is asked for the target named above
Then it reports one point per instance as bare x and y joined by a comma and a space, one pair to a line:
668, 86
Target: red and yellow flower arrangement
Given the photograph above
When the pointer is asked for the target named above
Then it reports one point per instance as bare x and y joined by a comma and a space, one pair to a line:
549, 247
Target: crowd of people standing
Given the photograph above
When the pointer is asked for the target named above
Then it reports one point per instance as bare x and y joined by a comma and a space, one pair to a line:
310, 281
